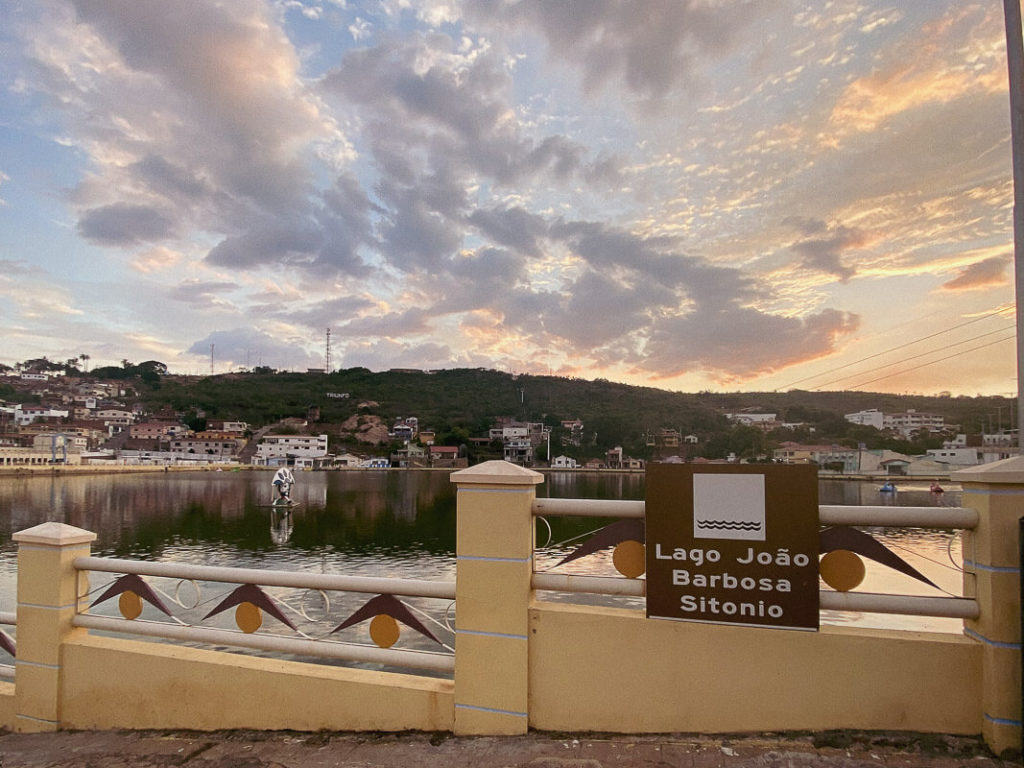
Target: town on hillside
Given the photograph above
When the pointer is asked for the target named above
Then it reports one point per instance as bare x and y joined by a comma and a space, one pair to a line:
58, 415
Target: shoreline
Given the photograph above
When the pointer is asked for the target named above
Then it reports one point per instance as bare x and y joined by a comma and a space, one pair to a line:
95, 469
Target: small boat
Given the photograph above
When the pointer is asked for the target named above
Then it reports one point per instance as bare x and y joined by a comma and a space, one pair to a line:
887, 488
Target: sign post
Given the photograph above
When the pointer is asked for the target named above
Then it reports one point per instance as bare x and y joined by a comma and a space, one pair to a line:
733, 544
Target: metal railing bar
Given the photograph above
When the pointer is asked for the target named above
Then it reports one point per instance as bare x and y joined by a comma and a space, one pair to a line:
7, 672
594, 585
908, 605
828, 514
864, 602
589, 507
910, 517
427, 660
8, 617
269, 578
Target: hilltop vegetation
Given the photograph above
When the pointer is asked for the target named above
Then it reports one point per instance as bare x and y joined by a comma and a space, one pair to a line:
462, 403
459, 404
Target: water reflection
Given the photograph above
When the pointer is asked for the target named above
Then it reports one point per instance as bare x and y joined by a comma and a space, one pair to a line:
143, 515
907, 494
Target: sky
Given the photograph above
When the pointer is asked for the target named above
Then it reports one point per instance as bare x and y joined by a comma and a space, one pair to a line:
723, 195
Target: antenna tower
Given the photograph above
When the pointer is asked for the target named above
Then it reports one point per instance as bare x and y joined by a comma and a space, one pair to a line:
328, 355
211, 359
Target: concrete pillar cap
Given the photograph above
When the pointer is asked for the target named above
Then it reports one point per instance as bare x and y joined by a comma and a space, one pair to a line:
1009, 470
54, 535
497, 473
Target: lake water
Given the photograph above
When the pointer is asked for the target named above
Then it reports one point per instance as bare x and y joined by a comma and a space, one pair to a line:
385, 523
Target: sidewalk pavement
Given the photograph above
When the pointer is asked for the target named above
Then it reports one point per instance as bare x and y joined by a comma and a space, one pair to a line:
280, 749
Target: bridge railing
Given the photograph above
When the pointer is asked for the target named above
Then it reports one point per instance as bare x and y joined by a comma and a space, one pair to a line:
9, 619
304, 625
945, 518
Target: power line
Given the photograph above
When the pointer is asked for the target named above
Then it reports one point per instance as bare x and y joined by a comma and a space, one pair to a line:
932, 362
914, 357
898, 347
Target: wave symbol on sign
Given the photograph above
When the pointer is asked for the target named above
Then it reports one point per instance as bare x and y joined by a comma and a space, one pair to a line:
729, 525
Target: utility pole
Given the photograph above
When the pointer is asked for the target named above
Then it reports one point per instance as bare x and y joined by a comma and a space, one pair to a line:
1015, 65
327, 369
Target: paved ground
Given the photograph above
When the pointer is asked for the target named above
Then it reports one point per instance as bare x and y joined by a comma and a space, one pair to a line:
256, 749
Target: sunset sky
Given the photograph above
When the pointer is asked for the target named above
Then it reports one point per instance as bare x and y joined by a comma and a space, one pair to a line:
687, 194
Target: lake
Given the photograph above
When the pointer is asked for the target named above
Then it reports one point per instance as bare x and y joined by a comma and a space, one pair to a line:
386, 523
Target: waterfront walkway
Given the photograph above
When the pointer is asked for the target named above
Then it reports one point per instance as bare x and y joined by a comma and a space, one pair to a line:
259, 749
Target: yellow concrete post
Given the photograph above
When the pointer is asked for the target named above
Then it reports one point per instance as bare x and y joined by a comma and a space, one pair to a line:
992, 577
48, 596
494, 550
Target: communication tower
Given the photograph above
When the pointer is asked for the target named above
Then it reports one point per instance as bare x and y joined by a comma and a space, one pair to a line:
327, 366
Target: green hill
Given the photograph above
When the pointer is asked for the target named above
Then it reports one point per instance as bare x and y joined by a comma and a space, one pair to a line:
463, 403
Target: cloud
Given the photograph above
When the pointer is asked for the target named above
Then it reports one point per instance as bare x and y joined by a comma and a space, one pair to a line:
332, 312
443, 191
924, 71
18, 267
124, 224
823, 251
276, 242
981, 274
439, 122
513, 227
740, 342
247, 346
389, 353
191, 117
199, 294
652, 47
156, 259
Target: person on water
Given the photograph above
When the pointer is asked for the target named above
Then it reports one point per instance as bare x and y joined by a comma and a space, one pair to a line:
283, 482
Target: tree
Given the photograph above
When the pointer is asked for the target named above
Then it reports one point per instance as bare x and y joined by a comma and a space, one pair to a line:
151, 371
41, 365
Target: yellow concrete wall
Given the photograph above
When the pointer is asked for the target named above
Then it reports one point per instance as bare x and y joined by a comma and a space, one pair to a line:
7, 705
606, 669
116, 683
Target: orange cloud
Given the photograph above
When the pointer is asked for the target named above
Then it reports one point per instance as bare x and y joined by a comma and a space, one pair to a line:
981, 274
939, 69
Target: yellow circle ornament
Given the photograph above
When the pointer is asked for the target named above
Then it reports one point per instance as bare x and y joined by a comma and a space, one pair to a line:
629, 559
384, 630
248, 617
130, 605
842, 570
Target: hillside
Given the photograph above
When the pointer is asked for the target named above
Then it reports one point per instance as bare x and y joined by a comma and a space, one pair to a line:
463, 403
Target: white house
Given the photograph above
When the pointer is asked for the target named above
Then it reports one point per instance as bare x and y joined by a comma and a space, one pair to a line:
563, 462
275, 450
26, 414
956, 457
911, 421
869, 418
762, 420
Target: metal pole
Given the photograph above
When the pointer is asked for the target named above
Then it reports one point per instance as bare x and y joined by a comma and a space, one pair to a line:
1015, 64
1020, 571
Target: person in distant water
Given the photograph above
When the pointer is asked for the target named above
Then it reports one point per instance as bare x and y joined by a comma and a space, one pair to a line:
283, 482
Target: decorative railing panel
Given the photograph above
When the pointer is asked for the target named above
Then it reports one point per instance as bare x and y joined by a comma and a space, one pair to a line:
7, 645
306, 615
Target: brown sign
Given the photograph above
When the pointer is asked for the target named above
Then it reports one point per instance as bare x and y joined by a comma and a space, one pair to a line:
733, 544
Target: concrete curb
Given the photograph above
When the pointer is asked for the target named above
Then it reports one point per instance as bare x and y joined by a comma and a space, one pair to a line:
264, 749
